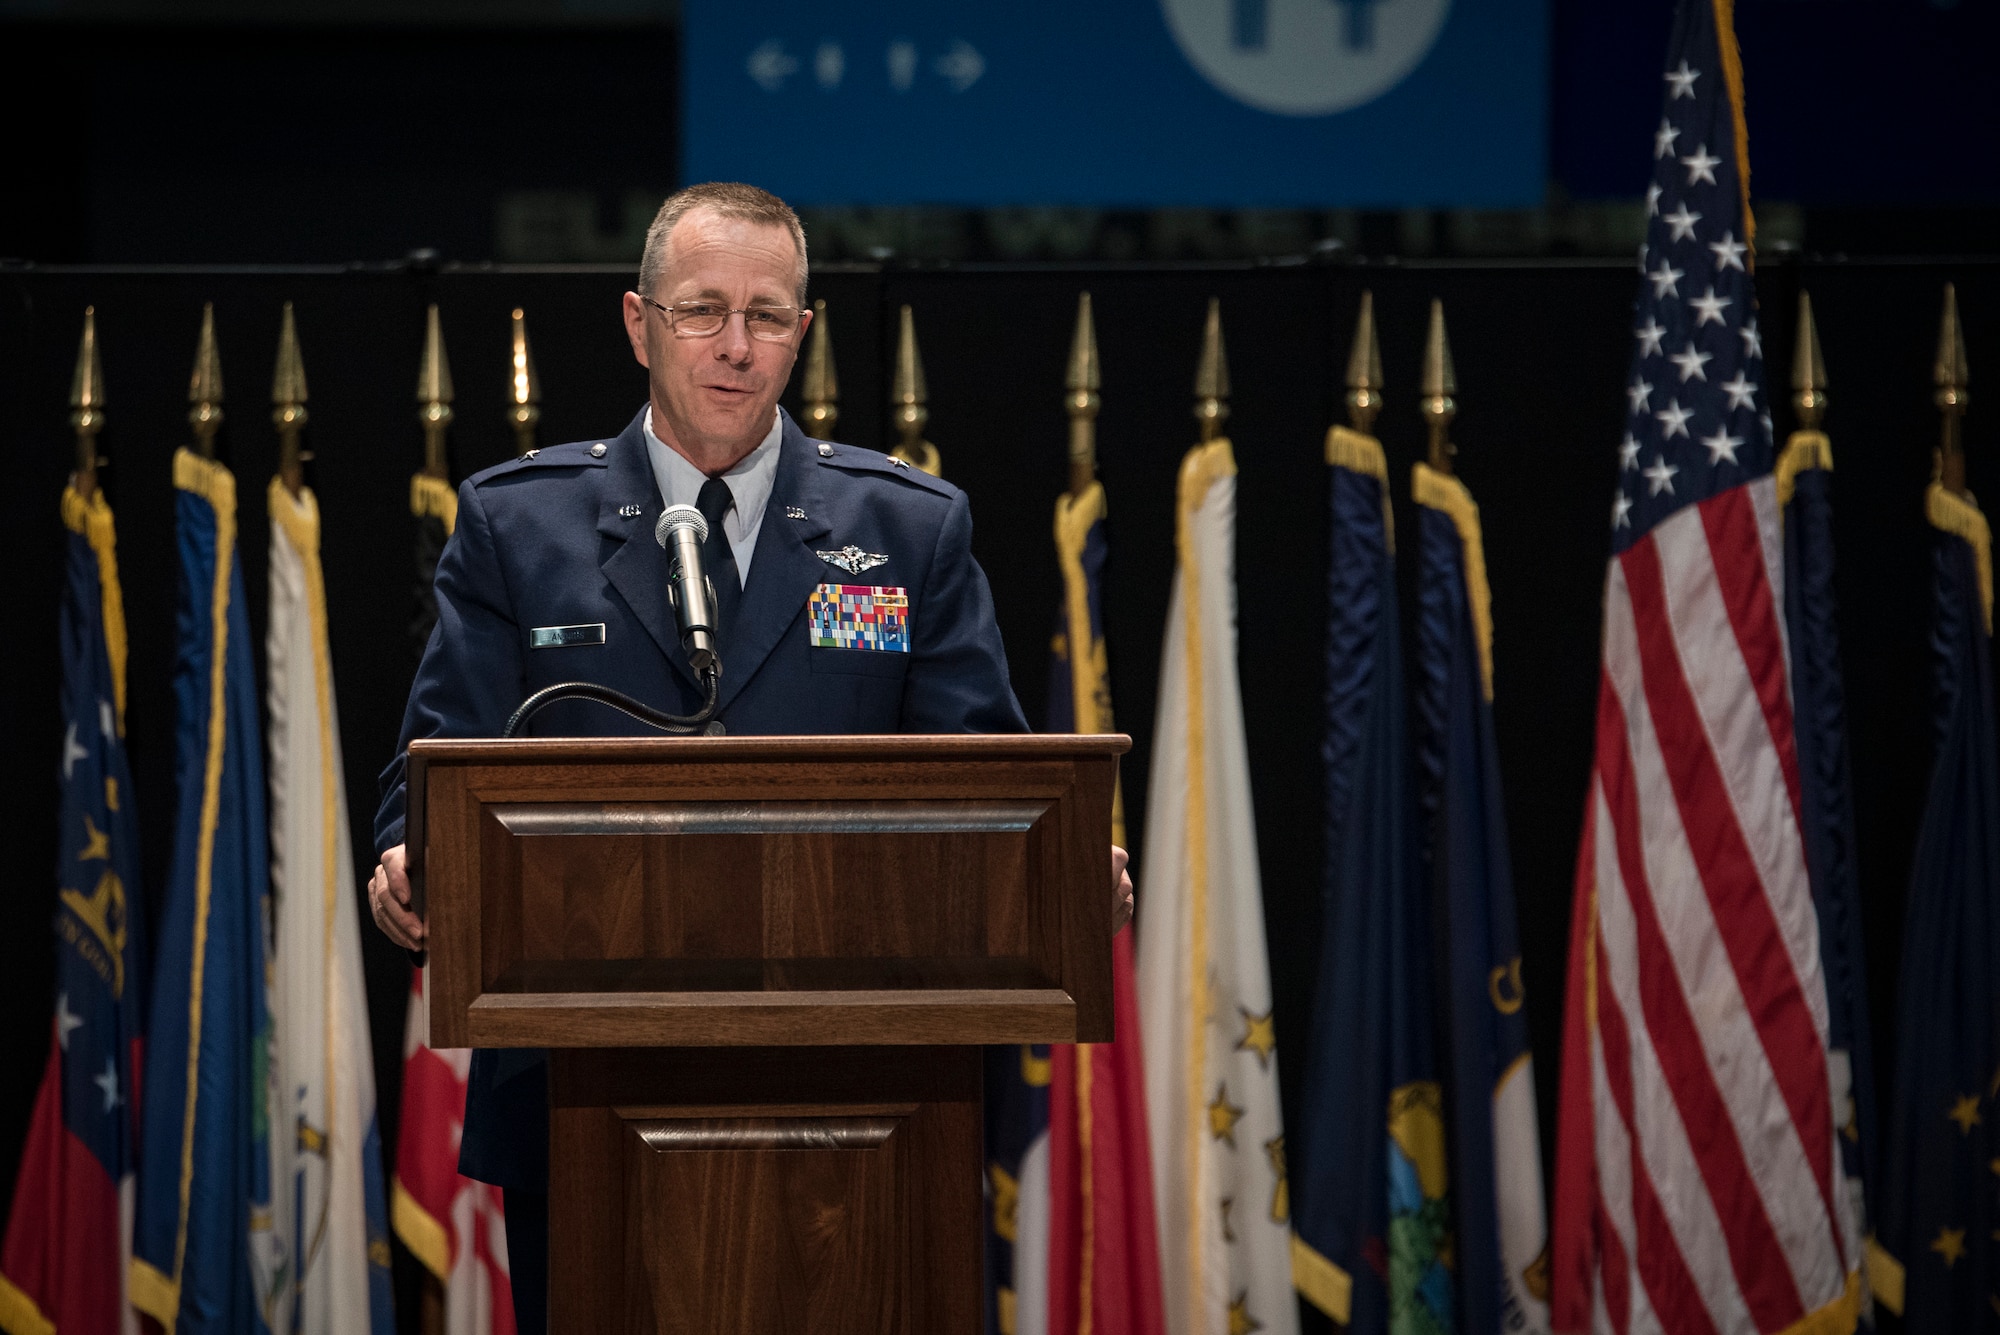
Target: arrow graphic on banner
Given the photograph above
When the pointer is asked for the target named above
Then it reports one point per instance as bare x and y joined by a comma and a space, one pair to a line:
770, 66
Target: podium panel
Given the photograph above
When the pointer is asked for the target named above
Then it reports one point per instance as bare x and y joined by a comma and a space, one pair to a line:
765, 969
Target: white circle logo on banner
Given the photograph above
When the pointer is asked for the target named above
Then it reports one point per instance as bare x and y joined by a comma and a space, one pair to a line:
1305, 57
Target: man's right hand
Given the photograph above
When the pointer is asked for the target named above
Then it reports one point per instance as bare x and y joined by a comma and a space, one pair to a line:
389, 901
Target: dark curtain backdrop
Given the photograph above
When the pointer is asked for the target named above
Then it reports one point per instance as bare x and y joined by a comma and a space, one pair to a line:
1541, 353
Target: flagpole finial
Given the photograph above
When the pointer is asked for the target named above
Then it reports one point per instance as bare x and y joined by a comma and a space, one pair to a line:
820, 388
1440, 386
434, 394
1081, 383
1949, 373
909, 399
86, 405
1211, 376
205, 386
1808, 369
524, 387
288, 403
1364, 368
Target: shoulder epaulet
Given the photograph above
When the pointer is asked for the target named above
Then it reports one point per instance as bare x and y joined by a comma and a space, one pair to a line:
854, 459
575, 454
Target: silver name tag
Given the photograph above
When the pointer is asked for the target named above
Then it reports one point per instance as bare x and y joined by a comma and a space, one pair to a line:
563, 637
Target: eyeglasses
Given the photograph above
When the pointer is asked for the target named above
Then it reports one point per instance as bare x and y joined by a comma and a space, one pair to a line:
704, 319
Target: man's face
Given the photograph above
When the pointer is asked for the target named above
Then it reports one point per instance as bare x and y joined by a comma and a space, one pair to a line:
713, 397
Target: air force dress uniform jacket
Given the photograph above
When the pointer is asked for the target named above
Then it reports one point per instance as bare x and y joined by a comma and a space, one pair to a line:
565, 539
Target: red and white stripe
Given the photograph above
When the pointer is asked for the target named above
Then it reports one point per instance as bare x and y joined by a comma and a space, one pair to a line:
1698, 1183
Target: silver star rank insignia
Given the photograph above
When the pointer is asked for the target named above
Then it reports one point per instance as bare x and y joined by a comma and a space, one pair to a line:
853, 560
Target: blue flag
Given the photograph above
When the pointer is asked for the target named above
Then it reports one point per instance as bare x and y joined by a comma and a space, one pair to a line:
1370, 1210
204, 1254
1826, 799
1938, 1260
82, 1147
1502, 1222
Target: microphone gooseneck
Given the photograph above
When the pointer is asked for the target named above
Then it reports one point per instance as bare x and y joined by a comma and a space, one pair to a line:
681, 532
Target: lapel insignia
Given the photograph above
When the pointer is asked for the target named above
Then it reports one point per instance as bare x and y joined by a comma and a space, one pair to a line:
629, 511
853, 560
793, 512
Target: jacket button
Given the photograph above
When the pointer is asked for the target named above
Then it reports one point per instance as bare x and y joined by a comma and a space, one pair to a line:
826, 451
597, 450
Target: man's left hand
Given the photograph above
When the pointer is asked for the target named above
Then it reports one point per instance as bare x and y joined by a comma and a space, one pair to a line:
1121, 890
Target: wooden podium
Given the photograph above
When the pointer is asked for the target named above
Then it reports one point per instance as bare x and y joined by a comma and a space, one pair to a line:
765, 968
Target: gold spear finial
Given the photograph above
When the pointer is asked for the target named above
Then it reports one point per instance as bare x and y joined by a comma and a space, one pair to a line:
1949, 373
908, 398
288, 403
1364, 369
524, 387
205, 386
821, 388
86, 405
434, 393
1082, 382
1211, 377
1440, 384
1808, 369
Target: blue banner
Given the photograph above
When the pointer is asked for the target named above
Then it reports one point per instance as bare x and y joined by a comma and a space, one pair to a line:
1122, 103
204, 1254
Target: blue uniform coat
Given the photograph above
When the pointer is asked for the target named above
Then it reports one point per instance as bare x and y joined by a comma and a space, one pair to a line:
566, 538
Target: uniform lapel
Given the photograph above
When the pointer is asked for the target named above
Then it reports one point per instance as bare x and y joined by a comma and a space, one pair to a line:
633, 563
784, 571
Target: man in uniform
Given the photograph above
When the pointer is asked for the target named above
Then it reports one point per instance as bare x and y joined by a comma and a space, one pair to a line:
553, 574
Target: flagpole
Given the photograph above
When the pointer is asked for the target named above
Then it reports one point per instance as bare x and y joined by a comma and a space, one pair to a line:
1440, 383
288, 404
1080, 399
205, 386
909, 400
524, 387
434, 397
820, 387
1211, 378
86, 406
1948, 372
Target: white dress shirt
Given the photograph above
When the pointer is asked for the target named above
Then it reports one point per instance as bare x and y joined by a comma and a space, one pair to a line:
749, 484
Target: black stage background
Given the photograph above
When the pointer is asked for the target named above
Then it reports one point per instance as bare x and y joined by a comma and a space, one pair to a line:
1541, 351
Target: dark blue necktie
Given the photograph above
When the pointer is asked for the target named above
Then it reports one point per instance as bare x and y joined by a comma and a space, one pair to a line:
714, 502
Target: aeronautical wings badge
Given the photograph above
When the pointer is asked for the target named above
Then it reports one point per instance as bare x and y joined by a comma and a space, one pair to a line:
853, 560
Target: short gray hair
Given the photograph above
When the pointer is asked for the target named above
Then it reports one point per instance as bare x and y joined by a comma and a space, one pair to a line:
729, 199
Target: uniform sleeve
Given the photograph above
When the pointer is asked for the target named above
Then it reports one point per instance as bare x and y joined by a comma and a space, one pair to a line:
471, 675
958, 668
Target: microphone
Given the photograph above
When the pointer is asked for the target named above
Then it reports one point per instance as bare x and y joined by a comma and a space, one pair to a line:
681, 532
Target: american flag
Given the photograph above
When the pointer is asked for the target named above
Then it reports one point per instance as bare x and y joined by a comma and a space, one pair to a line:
1698, 1186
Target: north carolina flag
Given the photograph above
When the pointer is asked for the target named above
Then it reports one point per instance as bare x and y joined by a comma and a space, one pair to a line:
205, 1254
69, 1238
1072, 1245
327, 1197
1211, 1059
455, 1226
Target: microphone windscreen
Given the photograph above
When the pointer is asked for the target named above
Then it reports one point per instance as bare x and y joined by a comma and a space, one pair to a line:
680, 516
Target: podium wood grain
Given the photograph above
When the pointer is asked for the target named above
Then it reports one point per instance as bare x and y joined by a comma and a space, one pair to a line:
765, 968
